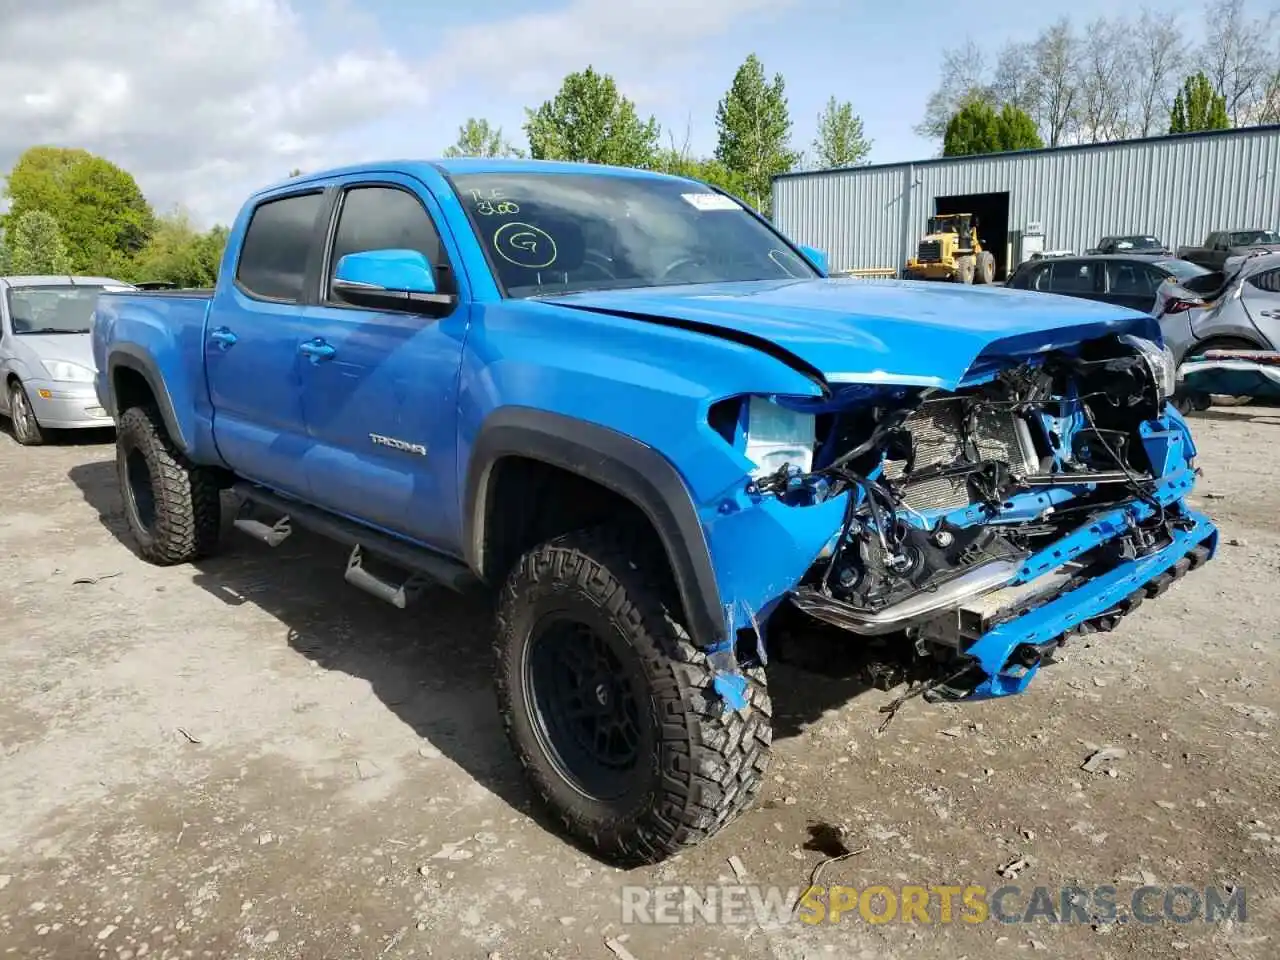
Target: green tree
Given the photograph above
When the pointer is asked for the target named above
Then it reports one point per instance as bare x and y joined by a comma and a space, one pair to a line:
840, 141
4, 254
476, 138
589, 120
179, 254
1016, 130
295, 172
705, 169
974, 128
978, 128
37, 245
103, 216
754, 127
1198, 107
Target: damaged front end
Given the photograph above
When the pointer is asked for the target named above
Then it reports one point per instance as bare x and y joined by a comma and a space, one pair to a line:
980, 528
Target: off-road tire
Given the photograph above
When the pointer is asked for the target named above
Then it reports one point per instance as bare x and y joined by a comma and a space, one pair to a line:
707, 762
965, 268
26, 428
185, 517
985, 268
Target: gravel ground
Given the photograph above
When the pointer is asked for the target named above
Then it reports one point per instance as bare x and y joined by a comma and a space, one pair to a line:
250, 759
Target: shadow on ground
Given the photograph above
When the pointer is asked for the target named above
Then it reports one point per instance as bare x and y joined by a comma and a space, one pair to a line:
440, 645
1250, 413
65, 438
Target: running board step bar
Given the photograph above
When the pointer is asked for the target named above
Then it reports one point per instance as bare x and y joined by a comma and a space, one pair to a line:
271, 534
397, 594
421, 566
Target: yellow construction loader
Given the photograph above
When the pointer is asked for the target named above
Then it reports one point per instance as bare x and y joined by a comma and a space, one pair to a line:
951, 251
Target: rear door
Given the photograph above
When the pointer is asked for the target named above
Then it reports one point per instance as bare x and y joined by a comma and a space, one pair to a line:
381, 406
251, 342
1261, 297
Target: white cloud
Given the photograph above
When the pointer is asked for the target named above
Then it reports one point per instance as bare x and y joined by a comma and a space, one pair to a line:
196, 99
205, 99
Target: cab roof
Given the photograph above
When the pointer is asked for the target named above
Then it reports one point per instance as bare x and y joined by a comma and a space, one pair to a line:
462, 165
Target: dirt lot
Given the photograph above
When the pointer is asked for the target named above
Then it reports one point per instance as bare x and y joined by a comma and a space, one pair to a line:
251, 759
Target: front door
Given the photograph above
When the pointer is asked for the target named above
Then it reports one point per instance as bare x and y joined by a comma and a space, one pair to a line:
251, 344
380, 387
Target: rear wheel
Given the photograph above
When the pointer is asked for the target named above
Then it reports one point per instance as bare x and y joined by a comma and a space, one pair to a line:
612, 710
26, 428
1221, 343
172, 506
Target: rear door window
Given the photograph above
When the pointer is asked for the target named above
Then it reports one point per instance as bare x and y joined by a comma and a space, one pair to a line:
1131, 279
277, 246
1071, 276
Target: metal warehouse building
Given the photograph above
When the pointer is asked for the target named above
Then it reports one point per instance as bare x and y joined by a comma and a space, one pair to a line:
1178, 188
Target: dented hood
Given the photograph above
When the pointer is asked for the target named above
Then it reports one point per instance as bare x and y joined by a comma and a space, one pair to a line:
876, 331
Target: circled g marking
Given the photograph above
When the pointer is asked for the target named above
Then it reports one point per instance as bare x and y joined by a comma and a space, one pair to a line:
525, 245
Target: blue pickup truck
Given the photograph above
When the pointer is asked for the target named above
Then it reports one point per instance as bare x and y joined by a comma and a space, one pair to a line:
658, 430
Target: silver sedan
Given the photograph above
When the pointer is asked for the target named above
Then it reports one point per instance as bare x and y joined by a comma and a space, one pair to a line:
46, 362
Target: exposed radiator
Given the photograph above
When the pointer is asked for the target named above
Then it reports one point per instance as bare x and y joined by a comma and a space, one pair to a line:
937, 431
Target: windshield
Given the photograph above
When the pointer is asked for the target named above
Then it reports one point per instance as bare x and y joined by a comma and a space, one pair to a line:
550, 234
1138, 243
1249, 237
1182, 269
52, 308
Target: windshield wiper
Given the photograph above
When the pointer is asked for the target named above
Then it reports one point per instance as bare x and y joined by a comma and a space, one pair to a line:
56, 330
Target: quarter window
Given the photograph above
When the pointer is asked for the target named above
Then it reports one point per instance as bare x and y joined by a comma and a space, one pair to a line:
277, 245
386, 218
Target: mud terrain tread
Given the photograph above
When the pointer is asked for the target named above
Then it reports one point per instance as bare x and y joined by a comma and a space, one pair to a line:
187, 497
713, 760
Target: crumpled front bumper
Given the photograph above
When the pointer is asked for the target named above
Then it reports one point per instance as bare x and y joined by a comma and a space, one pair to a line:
1010, 654
762, 548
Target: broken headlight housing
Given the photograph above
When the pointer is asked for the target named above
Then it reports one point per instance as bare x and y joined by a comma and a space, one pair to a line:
1160, 362
777, 435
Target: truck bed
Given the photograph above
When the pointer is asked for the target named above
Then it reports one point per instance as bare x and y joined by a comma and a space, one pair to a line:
163, 326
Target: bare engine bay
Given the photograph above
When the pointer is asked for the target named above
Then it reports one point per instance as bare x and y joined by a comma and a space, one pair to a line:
950, 492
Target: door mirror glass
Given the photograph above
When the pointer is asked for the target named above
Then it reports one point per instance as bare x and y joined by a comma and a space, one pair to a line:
817, 257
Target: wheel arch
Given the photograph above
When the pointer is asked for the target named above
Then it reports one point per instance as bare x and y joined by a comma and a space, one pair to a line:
132, 380
638, 475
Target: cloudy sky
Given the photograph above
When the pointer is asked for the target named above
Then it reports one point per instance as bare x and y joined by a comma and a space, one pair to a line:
203, 100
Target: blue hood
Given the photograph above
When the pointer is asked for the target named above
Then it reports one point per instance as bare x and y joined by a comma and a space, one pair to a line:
870, 331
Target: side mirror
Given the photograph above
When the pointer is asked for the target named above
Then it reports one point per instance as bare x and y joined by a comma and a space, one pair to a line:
390, 280
817, 257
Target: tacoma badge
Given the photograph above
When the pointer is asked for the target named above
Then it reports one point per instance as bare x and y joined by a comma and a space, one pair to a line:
395, 444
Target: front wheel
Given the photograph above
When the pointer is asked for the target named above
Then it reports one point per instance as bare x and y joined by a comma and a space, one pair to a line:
26, 428
172, 506
611, 709
985, 268
965, 269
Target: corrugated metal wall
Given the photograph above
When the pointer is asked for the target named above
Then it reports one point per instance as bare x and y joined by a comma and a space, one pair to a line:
1178, 188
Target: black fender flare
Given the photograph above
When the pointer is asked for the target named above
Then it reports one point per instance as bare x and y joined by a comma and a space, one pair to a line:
619, 463
129, 357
